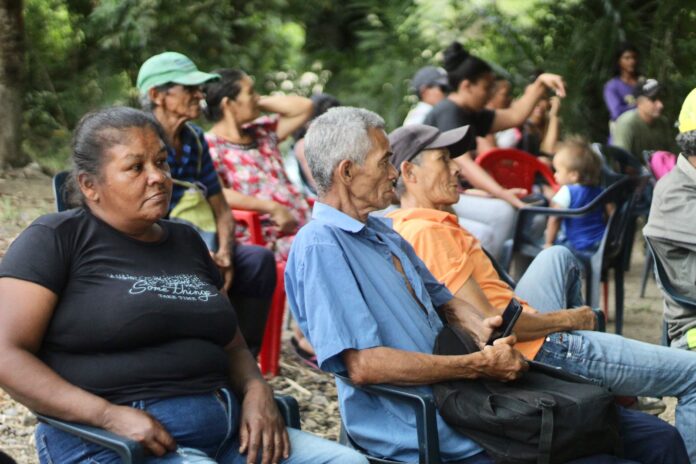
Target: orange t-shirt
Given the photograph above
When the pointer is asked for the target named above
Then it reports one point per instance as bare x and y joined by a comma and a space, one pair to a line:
453, 255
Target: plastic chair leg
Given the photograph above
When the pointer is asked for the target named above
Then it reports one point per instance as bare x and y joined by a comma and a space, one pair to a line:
619, 297
270, 349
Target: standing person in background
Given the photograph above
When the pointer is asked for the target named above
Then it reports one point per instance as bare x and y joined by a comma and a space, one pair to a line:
244, 148
170, 87
430, 84
618, 91
471, 80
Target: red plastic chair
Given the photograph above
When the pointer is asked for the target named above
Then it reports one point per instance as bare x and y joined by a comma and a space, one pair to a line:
270, 348
513, 168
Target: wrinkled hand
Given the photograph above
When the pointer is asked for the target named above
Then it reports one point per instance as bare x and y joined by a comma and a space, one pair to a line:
284, 219
139, 426
503, 362
480, 329
583, 318
553, 82
261, 427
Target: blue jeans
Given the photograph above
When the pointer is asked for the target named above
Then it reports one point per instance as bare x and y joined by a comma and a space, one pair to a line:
205, 428
626, 367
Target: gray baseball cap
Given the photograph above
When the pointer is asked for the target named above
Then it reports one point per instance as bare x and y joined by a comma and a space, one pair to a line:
408, 141
429, 76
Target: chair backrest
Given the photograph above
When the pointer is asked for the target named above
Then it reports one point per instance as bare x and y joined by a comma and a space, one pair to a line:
59, 192
514, 168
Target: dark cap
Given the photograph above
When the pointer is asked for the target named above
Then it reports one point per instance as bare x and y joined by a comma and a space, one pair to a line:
648, 88
408, 141
429, 76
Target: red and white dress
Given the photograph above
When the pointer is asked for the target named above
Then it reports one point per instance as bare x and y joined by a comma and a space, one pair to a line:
257, 170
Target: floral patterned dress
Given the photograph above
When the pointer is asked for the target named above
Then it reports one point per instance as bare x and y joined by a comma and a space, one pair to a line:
257, 170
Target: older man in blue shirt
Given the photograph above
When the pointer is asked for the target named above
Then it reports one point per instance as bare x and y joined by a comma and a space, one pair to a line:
367, 303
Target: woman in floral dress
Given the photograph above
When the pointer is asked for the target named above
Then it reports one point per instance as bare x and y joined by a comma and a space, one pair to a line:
244, 148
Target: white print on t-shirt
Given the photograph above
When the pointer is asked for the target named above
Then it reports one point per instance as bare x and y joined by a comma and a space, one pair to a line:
181, 287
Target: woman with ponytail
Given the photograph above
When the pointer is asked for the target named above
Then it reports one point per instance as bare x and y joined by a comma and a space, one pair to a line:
471, 80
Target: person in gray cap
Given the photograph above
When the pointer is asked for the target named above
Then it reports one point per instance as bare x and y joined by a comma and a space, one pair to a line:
547, 332
644, 128
430, 84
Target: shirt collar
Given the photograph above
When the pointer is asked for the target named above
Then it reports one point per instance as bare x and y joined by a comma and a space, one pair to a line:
331, 215
427, 214
686, 167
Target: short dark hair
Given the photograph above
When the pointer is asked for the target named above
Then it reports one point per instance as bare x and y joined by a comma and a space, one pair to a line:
461, 65
582, 160
227, 86
97, 132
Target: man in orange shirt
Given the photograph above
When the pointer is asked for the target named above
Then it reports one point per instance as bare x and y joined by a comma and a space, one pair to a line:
427, 186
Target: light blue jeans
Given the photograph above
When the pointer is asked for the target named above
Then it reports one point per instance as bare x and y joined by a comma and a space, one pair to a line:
627, 367
205, 428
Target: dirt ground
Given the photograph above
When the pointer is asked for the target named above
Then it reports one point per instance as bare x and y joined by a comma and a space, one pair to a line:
26, 193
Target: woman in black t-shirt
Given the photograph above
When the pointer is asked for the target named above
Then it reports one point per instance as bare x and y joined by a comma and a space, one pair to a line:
471, 80
113, 317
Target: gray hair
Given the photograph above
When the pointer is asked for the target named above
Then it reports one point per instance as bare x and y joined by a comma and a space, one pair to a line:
687, 143
339, 134
400, 184
144, 98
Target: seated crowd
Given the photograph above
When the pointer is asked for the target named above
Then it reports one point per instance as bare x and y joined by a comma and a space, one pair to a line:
142, 309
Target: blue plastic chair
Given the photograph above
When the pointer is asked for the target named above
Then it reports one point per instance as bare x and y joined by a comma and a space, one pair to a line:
425, 413
131, 452
611, 253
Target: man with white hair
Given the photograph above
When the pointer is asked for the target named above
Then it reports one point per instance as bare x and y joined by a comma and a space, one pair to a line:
368, 304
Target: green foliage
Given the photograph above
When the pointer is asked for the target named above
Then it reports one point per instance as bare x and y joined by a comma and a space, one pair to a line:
82, 54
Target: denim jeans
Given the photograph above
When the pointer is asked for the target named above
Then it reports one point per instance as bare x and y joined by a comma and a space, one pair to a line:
626, 367
205, 428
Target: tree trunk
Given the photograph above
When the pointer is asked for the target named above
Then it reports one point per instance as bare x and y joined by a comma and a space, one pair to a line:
11, 66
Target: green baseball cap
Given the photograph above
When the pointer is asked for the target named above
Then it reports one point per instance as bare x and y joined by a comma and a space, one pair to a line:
170, 67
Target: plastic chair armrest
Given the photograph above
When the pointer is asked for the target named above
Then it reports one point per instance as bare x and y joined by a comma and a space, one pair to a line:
424, 407
290, 410
129, 451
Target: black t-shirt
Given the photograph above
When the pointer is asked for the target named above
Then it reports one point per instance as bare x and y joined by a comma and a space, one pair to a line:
447, 115
134, 320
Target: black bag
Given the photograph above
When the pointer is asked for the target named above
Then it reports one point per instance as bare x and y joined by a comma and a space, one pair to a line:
547, 416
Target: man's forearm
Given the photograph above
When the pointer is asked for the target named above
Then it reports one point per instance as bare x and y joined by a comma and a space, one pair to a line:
398, 367
531, 326
224, 222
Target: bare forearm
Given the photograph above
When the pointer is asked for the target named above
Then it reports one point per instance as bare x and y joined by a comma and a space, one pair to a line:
520, 109
244, 372
241, 201
397, 367
552, 227
532, 326
293, 110
224, 222
38, 387
548, 145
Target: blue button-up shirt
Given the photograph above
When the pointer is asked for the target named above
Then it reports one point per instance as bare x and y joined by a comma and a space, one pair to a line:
346, 293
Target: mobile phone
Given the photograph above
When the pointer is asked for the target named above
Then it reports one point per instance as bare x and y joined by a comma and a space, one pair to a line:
510, 316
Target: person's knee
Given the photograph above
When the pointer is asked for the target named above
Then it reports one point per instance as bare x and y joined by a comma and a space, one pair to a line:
254, 271
560, 256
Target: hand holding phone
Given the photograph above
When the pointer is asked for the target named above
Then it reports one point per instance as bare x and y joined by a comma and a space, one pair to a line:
510, 316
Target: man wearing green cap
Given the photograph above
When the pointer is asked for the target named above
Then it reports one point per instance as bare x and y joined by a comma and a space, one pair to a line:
170, 87
672, 228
